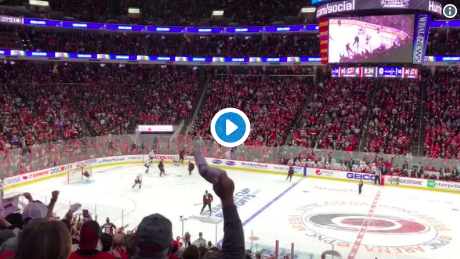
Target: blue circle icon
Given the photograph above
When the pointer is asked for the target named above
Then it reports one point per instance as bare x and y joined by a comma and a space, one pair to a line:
230, 127
224, 126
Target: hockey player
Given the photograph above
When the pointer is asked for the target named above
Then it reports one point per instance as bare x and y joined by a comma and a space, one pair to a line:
207, 200
137, 181
161, 166
349, 49
191, 166
176, 160
360, 184
356, 41
181, 156
290, 173
152, 154
88, 173
147, 166
108, 227
377, 174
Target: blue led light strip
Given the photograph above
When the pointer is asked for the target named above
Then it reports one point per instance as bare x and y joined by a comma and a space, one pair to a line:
102, 57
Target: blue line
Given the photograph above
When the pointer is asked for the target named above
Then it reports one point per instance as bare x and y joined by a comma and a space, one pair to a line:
268, 205
271, 202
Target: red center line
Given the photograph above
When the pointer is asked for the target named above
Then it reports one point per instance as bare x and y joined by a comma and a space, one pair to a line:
364, 227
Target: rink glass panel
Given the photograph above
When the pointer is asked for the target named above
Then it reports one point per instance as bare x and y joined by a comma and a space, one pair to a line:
23, 160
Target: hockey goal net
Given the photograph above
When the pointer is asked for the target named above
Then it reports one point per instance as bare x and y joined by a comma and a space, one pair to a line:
74, 175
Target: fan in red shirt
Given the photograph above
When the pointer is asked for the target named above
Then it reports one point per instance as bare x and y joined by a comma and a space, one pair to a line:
89, 238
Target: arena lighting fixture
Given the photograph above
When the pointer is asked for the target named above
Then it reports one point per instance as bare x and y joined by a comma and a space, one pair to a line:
39, 3
308, 10
217, 13
133, 10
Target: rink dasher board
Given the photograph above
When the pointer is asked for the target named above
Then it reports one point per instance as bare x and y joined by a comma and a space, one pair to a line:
316, 173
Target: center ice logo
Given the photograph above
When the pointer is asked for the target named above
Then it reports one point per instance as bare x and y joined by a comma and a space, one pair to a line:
337, 223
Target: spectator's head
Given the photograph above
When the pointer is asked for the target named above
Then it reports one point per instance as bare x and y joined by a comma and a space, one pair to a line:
192, 252
89, 235
15, 220
154, 237
44, 239
202, 250
118, 240
209, 244
34, 210
258, 255
106, 241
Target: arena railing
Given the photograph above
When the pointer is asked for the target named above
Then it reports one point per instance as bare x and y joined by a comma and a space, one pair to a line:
28, 159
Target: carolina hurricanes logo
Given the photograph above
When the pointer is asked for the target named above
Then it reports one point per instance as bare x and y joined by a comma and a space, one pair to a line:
388, 227
379, 224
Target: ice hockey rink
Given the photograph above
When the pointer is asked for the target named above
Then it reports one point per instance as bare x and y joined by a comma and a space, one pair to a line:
345, 34
316, 215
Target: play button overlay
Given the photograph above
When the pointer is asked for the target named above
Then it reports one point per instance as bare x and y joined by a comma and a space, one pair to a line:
230, 127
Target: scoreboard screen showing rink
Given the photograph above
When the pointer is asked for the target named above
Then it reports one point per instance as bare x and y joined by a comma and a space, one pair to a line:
372, 72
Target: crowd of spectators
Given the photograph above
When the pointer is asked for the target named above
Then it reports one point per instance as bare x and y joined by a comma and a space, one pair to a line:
392, 126
168, 98
43, 103
271, 105
105, 43
295, 45
176, 12
334, 115
442, 131
34, 114
266, 12
272, 45
223, 46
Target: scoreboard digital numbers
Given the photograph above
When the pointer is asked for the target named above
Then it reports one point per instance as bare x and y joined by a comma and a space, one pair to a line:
374, 72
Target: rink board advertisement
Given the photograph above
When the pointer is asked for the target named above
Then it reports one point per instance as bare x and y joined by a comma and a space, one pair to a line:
422, 183
29, 178
339, 175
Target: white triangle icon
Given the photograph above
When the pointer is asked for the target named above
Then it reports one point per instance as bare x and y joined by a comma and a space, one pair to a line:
230, 127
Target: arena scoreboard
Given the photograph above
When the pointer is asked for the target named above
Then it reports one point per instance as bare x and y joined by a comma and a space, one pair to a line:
374, 72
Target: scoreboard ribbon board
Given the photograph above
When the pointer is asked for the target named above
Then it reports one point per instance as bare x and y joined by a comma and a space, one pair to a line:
374, 72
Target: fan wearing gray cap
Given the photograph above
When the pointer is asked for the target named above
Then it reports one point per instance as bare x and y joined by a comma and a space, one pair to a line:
153, 238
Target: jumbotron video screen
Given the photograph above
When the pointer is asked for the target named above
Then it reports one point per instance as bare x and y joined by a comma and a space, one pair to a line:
385, 38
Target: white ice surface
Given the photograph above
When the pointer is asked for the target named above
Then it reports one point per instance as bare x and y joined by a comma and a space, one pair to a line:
271, 208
